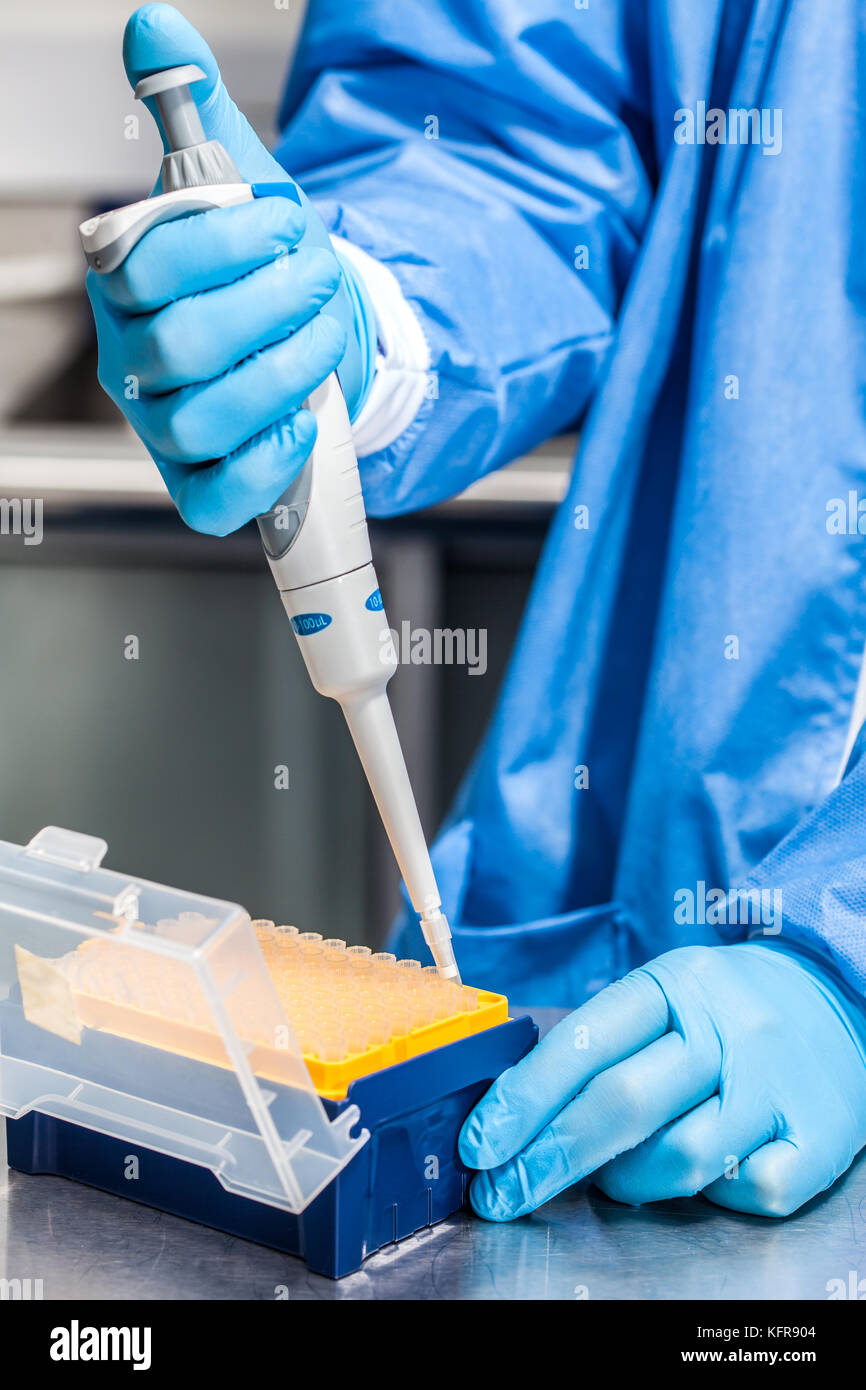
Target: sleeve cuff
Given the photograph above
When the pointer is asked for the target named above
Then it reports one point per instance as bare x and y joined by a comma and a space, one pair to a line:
402, 373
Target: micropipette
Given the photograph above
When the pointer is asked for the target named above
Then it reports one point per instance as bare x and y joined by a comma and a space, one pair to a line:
315, 536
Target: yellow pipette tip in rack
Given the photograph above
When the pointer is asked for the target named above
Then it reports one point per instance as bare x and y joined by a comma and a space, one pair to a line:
354, 1012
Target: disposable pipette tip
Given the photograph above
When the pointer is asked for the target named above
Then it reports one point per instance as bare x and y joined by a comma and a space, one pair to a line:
446, 964
437, 934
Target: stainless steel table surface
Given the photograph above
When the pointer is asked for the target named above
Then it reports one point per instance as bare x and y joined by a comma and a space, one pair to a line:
85, 1244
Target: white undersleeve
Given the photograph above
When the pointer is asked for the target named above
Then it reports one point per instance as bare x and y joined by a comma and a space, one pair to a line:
402, 360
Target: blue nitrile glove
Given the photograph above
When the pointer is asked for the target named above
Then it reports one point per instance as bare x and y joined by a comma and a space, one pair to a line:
736, 1071
210, 334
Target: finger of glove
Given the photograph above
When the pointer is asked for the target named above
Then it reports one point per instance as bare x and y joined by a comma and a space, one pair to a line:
190, 255
218, 498
198, 424
618, 1109
205, 335
685, 1156
781, 1176
620, 1020
157, 37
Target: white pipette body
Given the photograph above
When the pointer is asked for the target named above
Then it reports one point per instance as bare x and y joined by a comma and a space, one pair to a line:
315, 536
318, 549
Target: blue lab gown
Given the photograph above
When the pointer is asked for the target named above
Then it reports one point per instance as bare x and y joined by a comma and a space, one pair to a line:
677, 704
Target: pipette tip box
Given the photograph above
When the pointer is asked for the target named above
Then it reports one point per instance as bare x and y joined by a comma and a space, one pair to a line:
408, 1175
225, 1128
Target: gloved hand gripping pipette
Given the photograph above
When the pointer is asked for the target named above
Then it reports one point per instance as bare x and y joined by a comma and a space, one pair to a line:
315, 536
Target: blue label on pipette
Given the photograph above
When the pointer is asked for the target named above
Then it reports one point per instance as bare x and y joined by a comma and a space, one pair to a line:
305, 624
374, 602
283, 189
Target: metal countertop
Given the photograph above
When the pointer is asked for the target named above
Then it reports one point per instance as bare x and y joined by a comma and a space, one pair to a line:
85, 1244
75, 466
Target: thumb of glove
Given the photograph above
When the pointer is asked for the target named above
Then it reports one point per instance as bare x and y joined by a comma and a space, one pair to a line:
157, 37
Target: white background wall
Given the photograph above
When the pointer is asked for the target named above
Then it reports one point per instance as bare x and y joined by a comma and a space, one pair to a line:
64, 94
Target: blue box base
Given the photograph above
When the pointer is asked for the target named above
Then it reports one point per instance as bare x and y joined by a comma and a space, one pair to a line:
407, 1176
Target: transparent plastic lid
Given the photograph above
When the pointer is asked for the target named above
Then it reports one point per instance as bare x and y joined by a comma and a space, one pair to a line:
148, 1014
